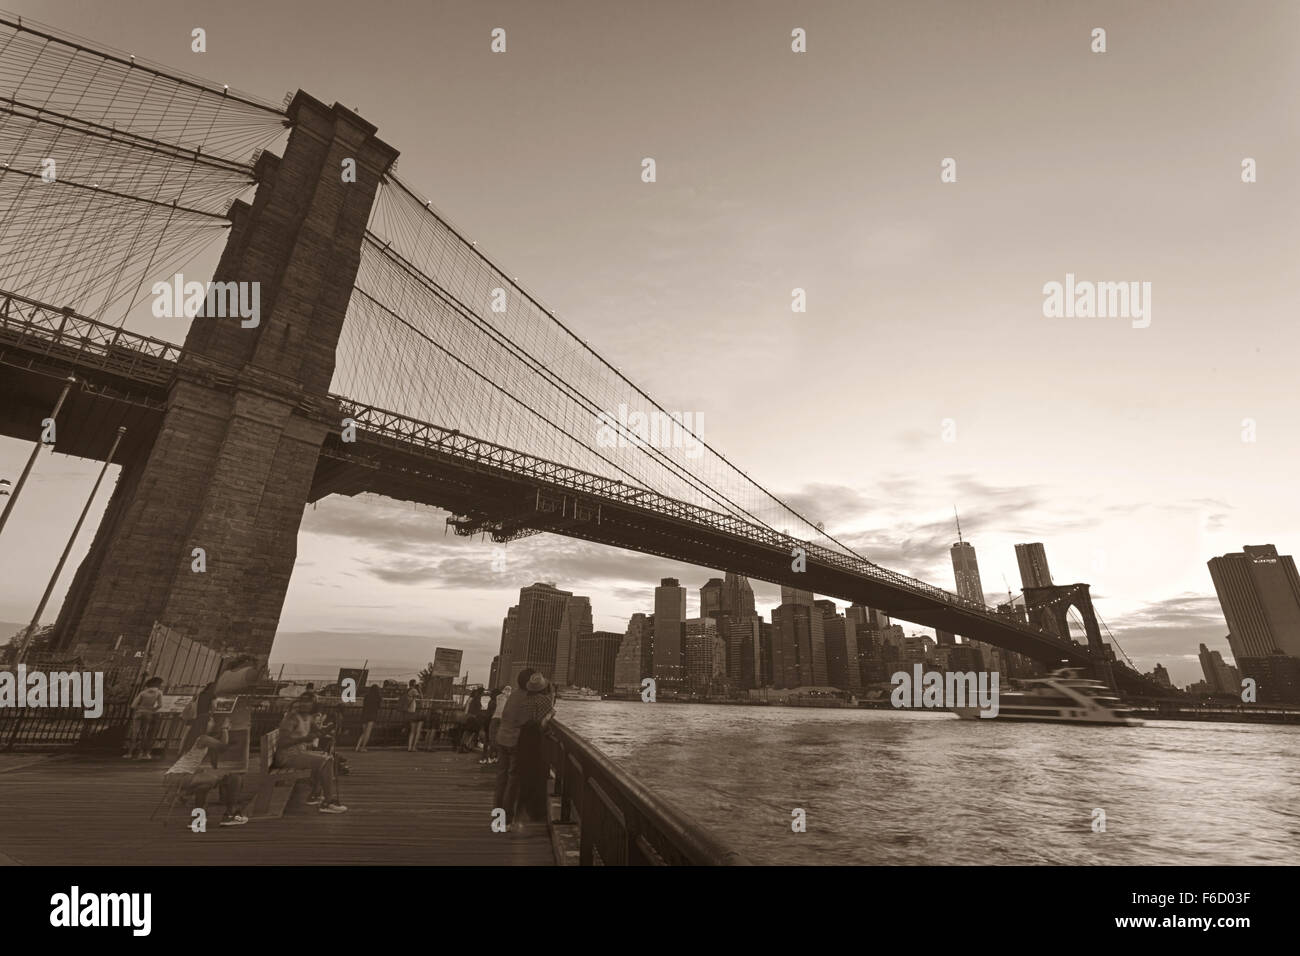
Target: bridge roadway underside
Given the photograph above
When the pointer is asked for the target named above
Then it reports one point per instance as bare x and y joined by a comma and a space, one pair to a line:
94, 409
497, 495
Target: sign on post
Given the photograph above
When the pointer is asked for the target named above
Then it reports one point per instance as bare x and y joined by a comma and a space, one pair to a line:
446, 661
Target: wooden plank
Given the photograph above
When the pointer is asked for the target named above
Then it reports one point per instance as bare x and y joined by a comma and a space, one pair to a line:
403, 808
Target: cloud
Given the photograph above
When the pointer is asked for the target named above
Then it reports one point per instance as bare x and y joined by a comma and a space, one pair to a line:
1169, 632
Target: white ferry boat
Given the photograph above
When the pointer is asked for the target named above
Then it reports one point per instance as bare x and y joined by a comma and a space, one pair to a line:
1065, 697
577, 693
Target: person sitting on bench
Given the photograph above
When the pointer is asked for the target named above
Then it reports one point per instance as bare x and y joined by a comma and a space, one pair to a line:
297, 731
192, 775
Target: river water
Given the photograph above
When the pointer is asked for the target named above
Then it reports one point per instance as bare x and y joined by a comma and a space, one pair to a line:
893, 787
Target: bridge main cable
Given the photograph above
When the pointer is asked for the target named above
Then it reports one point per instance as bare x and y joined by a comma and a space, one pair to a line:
130, 61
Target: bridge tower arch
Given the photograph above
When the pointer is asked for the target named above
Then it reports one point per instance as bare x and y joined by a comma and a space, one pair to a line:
231, 467
1053, 603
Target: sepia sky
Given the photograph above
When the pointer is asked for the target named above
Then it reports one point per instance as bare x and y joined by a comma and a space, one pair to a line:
1120, 448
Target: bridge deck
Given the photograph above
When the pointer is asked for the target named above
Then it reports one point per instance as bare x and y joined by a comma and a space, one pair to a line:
403, 808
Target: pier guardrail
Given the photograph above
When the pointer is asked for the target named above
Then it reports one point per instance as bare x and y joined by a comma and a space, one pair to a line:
619, 818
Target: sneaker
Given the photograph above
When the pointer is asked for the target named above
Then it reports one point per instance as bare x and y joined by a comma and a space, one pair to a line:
315, 801
485, 761
238, 820
333, 808
128, 756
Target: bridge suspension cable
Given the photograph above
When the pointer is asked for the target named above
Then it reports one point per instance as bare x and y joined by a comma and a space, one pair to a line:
113, 172
443, 334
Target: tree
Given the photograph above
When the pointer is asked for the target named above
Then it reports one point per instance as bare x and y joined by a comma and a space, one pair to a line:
425, 679
40, 641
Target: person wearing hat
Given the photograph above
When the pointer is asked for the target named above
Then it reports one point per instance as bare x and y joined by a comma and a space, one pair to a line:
530, 757
531, 703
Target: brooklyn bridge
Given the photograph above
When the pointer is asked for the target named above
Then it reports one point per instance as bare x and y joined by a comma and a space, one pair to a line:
390, 356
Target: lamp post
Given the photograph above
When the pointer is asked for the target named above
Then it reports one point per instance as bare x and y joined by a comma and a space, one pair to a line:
36, 450
58, 568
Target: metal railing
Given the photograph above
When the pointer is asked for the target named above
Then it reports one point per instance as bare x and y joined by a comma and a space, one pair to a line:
45, 729
621, 822
82, 342
402, 432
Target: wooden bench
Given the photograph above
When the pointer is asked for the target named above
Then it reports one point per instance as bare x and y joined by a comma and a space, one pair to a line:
273, 778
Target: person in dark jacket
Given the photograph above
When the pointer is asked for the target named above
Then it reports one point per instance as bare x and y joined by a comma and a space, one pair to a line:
489, 714
473, 715
531, 768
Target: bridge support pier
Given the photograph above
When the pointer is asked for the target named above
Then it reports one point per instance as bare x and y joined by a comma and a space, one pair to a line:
232, 466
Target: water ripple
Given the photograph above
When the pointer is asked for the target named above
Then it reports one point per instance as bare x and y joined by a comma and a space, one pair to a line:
886, 787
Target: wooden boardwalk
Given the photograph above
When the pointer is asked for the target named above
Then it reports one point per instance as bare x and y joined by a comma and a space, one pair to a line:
403, 808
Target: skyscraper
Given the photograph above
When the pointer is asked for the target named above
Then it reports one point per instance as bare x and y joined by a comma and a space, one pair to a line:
575, 624
840, 637
506, 652
1222, 678
798, 645
744, 652
1032, 559
966, 571
669, 630
795, 596
635, 658
1259, 592
597, 656
711, 598
737, 597
537, 628
706, 655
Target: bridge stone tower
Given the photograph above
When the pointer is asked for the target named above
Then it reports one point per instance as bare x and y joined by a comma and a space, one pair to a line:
232, 464
1052, 604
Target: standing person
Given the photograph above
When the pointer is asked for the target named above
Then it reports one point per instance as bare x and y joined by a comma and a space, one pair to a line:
506, 793
491, 721
144, 720
517, 762
297, 731
414, 700
369, 714
473, 711
530, 757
